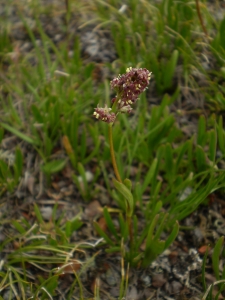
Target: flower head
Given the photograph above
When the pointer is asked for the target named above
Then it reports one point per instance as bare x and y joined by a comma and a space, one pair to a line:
130, 85
104, 114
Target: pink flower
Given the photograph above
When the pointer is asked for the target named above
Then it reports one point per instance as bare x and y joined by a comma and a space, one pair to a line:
104, 114
130, 85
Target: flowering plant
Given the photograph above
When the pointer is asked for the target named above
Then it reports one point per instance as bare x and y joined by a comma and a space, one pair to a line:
128, 88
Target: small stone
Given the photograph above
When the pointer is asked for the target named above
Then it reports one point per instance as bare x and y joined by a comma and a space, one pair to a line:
93, 209
176, 287
26, 47
46, 212
111, 277
146, 281
158, 280
88, 176
57, 37
185, 193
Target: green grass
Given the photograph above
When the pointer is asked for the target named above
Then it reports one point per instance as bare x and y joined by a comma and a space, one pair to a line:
218, 254
48, 107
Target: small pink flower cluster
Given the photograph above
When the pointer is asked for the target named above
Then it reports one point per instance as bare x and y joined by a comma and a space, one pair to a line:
104, 114
128, 87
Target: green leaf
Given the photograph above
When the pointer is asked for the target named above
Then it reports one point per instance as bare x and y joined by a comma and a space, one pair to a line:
201, 138
157, 208
72, 226
121, 188
169, 69
119, 200
216, 257
38, 214
212, 145
109, 222
51, 285
222, 33
76, 224
19, 134
103, 234
169, 164
48, 144
223, 273
68, 230
54, 166
154, 249
123, 227
150, 175
113, 249
200, 157
128, 183
5, 173
221, 135
173, 235
18, 227
161, 226
37, 115
83, 144
19, 282
81, 171
151, 231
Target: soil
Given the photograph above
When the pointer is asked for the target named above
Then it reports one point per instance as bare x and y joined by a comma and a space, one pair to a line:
176, 274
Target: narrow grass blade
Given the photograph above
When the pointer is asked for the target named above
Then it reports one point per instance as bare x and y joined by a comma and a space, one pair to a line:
222, 35
169, 70
38, 214
127, 195
54, 166
109, 222
103, 234
216, 256
151, 231
173, 235
160, 227
212, 145
18, 227
221, 135
150, 175
200, 158
19, 134
201, 137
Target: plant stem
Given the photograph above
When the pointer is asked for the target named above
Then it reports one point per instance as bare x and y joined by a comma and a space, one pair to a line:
112, 152
130, 233
116, 171
200, 17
